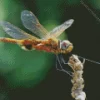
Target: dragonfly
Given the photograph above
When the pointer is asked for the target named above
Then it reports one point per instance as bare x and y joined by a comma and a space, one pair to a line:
43, 41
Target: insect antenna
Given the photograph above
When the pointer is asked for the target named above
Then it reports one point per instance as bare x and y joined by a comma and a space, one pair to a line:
87, 7
89, 60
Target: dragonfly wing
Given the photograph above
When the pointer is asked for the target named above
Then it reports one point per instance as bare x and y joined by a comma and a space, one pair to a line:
61, 28
14, 31
30, 22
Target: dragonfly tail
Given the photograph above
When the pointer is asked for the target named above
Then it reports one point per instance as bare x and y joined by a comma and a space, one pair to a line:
9, 40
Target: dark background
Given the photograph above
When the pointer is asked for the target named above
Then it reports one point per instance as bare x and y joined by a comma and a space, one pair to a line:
55, 85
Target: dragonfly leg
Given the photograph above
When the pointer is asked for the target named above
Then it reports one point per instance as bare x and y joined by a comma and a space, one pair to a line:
63, 61
61, 68
59, 62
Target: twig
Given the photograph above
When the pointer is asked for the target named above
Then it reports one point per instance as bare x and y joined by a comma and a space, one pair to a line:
77, 78
90, 10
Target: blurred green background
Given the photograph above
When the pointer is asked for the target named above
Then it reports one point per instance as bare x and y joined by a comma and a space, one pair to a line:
25, 75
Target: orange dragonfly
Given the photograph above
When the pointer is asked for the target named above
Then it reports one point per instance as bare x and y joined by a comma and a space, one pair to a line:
48, 40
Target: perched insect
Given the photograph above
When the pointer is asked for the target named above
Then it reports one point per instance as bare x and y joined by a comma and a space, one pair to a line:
48, 40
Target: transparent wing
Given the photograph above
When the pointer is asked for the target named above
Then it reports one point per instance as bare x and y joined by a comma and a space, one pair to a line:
30, 22
14, 31
59, 29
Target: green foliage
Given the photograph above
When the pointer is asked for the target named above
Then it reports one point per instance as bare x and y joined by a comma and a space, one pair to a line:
19, 67
95, 3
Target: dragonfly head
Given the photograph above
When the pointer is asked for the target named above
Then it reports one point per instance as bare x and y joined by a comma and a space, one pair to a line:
66, 46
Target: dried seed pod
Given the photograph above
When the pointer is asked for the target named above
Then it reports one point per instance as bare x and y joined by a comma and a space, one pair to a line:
77, 78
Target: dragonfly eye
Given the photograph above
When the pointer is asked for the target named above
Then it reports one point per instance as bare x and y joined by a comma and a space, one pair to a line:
64, 44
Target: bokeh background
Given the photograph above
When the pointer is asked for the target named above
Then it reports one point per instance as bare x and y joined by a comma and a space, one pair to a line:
32, 75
